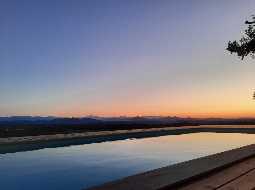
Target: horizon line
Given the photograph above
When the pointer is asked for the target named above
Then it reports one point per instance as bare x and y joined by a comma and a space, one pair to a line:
128, 116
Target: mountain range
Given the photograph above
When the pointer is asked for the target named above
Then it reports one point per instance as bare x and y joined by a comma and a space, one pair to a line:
148, 120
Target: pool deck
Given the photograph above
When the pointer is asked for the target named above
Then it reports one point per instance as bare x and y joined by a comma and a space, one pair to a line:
229, 170
236, 177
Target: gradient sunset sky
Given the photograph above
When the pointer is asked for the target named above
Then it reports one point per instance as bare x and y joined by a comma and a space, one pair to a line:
124, 57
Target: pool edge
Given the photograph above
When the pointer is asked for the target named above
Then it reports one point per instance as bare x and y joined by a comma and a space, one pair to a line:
177, 174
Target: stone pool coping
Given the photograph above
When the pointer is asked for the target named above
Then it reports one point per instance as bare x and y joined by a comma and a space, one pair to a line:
171, 176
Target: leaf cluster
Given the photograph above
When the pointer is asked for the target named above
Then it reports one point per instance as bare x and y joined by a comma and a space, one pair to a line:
246, 45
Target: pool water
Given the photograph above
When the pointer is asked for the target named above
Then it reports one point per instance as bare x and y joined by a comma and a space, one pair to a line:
83, 166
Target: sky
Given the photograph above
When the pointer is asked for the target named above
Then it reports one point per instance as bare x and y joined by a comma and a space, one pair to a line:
133, 57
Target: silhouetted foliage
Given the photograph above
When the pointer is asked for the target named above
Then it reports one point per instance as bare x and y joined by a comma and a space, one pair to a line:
246, 45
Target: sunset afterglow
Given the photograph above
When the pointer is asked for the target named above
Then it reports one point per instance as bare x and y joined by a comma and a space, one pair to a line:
129, 58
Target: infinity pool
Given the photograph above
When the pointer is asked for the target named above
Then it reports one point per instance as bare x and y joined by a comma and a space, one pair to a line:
83, 166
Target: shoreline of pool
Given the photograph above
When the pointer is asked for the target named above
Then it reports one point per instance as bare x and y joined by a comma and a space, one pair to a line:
17, 144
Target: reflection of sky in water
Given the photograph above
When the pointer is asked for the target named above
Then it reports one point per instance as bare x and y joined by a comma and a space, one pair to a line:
76, 167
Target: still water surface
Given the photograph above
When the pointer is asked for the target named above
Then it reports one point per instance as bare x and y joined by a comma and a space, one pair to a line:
82, 166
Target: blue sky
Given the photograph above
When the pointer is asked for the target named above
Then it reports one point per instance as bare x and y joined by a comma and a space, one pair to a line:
73, 58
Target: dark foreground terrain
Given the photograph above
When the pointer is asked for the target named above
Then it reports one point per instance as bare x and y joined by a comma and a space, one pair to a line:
33, 126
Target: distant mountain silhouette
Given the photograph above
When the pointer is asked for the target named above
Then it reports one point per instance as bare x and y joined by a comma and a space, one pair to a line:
75, 121
26, 118
46, 120
146, 120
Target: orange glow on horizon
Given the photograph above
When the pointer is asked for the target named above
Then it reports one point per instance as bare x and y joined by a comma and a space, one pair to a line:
163, 114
